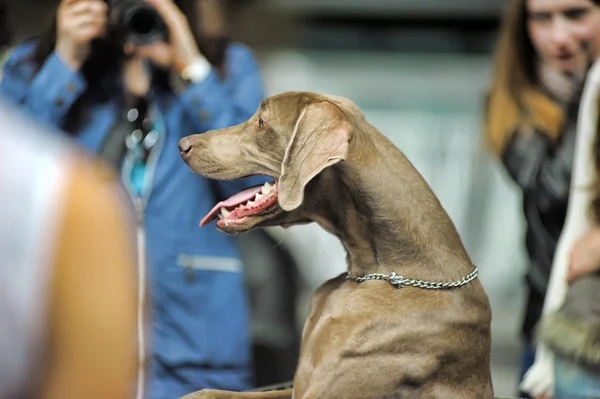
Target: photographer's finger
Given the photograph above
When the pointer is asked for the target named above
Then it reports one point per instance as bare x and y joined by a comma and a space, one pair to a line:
90, 32
89, 19
168, 10
89, 23
85, 7
67, 3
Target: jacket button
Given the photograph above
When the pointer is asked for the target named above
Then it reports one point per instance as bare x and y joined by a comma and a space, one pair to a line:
203, 115
71, 87
59, 102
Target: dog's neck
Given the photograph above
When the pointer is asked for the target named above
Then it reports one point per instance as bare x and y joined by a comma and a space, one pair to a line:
386, 216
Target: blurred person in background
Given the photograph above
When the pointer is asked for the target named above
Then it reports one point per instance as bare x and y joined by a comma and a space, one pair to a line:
131, 105
542, 60
68, 296
567, 361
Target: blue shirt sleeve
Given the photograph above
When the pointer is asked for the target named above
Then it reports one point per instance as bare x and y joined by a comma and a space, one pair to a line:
46, 94
215, 103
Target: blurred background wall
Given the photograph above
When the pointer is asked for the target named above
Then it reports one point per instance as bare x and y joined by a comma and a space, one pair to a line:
419, 70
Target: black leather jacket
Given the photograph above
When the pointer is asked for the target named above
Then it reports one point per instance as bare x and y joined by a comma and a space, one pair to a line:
542, 169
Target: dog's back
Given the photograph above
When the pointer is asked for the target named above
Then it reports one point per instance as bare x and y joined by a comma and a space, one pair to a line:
375, 341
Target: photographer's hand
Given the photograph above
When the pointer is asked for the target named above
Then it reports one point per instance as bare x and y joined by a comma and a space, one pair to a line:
585, 255
79, 21
184, 49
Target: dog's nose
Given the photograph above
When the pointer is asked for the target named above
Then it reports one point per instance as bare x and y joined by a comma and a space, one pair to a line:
185, 145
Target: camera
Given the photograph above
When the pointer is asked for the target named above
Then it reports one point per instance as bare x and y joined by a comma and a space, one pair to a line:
136, 22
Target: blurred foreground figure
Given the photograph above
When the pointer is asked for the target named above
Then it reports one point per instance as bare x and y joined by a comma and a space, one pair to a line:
67, 272
130, 104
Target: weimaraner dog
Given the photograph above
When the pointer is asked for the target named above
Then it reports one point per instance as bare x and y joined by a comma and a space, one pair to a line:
409, 319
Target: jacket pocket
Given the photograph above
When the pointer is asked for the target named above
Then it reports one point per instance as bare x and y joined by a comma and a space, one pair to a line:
204, 313
194, 263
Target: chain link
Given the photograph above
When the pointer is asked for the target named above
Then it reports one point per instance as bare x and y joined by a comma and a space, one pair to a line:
399, 281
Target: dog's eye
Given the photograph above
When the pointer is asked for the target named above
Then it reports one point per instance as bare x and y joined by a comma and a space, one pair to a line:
261, 123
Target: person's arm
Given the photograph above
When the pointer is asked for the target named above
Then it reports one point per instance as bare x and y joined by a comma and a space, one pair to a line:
46, 94
210, 103
92, 315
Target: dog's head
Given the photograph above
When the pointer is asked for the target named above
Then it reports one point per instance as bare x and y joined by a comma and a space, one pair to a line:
292, 138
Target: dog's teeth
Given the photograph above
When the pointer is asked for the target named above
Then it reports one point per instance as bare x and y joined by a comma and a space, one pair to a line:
225, 212
258, 196
267, 188
250, 203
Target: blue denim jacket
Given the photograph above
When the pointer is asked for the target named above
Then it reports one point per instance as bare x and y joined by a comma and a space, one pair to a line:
200, 320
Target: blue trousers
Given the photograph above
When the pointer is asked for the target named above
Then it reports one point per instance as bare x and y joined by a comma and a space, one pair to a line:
572, 381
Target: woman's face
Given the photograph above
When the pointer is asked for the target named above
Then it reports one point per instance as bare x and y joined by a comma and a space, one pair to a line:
564, 33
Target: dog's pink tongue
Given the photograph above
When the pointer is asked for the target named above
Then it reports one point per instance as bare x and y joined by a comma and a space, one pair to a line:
231, 202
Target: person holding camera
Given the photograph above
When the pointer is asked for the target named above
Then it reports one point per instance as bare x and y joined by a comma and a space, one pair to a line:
127, 79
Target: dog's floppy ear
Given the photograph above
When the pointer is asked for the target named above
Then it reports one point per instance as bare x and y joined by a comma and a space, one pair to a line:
320, 139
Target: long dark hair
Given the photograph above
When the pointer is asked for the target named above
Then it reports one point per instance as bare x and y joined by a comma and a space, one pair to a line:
107, 56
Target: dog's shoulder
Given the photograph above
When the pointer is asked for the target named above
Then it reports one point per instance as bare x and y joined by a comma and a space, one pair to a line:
331, 284
323, 292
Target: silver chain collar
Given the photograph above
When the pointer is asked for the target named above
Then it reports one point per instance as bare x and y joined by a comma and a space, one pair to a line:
399, 281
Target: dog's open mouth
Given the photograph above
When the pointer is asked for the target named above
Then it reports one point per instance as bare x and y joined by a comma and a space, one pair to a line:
253, 201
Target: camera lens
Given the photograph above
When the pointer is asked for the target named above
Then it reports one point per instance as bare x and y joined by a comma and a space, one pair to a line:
139, 22
142, 21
